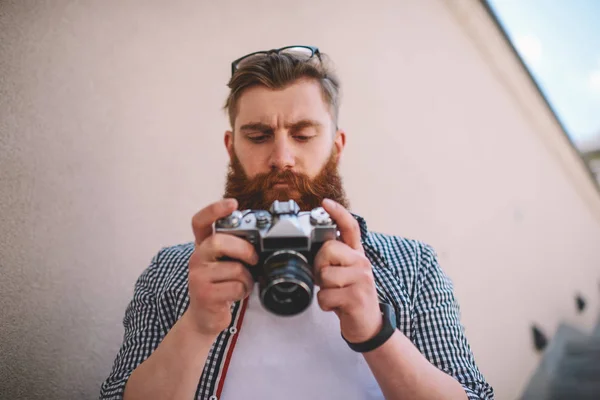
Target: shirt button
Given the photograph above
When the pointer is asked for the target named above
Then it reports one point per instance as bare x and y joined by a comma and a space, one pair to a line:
233, 330
213, 397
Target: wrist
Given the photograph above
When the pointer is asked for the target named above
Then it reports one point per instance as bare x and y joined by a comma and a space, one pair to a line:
192, 332
366, 332
386, 329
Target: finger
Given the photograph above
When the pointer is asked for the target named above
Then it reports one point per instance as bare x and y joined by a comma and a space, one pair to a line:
333, 299
334, 253
338, 277
348, 226
223, 271
221, 245
203, 220
228, 291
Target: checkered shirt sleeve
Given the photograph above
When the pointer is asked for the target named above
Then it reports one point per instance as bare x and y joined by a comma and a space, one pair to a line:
142, 334
436, 329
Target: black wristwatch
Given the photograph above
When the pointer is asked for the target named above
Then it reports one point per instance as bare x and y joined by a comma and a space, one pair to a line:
387, 330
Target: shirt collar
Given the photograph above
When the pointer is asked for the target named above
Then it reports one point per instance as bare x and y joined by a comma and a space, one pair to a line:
364, 232
371, 247
373, 252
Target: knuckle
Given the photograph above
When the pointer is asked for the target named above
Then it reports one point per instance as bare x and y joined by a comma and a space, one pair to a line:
327, 246
321, 298
239, 289
216, 242
197, 273
213, 209
318, 258
364, 262
354, 226
247, 275
250, 252
199, 219
206, 214
320, 295
202, 252
358, 295
238, 269
356, 291
249, 284
367, 276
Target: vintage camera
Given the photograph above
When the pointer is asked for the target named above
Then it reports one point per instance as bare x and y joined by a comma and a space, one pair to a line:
286, 241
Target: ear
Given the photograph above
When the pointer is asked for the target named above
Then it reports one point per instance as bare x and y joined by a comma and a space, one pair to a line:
339, 142
228, 139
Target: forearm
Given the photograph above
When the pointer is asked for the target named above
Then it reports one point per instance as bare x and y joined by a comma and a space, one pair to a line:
174, 368
404, 373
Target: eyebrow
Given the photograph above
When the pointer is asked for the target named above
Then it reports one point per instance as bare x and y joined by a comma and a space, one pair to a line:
303, 123
294, 126
256, 126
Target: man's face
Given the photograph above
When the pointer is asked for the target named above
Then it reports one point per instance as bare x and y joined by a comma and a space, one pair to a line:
284, 146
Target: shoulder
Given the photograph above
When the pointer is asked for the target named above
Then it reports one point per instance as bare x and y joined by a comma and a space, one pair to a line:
402, 252
168, 265
172, 256
408, 259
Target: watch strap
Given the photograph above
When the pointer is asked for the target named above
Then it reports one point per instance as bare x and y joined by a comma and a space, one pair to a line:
387, 330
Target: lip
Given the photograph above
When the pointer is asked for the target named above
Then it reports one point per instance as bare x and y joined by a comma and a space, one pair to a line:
280, 184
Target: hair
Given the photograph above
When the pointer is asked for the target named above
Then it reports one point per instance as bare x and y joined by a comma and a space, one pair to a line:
279, 70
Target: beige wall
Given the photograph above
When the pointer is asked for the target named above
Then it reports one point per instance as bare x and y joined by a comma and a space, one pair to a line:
111, 138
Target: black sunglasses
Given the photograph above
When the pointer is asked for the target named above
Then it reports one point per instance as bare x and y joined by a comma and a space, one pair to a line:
308, 51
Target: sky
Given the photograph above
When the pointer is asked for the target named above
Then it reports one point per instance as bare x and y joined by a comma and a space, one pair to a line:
559, 41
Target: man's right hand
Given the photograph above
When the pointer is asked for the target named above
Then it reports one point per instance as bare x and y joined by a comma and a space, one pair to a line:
214, 285
174, 368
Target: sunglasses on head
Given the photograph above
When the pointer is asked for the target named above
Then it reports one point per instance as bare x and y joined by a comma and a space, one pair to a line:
307, 51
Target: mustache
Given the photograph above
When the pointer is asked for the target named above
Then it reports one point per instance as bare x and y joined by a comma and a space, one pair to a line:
260, 191
294, 180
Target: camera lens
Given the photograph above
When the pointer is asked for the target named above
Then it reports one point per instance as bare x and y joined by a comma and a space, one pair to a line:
287, 287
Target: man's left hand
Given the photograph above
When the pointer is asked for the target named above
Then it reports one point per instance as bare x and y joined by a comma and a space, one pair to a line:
347, 284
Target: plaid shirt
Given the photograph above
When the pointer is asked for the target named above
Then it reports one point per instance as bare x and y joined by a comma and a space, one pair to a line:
407, 276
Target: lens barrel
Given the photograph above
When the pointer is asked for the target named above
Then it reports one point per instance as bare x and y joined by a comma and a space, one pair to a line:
287, 284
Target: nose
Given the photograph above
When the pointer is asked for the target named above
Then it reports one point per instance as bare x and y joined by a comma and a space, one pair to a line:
282, 156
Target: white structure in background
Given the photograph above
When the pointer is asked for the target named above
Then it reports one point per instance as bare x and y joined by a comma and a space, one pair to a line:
590, 150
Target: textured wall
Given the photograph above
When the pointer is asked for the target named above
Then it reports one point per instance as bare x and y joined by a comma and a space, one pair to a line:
111, 139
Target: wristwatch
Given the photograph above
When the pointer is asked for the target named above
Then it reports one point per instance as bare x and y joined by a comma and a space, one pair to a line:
387, 330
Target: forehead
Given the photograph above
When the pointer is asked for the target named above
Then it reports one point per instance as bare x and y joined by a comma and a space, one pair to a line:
300, 100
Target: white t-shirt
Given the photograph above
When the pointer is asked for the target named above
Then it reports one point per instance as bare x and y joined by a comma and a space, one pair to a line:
293, 358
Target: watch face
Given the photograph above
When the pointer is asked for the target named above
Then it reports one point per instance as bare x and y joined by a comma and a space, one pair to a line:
388, 313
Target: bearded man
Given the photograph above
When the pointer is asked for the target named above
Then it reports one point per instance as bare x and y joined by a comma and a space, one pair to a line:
195, 327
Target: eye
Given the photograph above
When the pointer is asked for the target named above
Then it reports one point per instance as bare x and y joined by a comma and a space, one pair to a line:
303, 138
258, 138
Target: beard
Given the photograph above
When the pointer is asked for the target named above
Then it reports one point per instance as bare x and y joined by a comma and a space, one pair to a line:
259, 192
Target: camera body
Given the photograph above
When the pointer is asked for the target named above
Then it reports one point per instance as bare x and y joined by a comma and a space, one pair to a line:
286, 241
